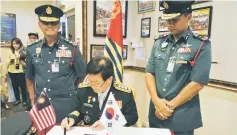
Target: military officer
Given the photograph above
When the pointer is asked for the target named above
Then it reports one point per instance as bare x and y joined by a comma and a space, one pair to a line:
18, 124
178, 68
92, 96
53, 64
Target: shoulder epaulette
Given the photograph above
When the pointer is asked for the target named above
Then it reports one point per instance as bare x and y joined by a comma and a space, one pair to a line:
69, 42
83, 85
160, 37
122, 87
200, 37
35, 42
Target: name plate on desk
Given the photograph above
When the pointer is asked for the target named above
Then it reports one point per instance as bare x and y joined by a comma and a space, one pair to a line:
57, 130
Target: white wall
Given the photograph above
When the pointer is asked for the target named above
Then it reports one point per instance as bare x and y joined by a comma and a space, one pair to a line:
26, 19
223, 37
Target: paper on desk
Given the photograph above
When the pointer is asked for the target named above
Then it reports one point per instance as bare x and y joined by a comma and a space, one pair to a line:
58, 130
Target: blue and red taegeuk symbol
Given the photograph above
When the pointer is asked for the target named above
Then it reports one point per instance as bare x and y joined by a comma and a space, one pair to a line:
109, 113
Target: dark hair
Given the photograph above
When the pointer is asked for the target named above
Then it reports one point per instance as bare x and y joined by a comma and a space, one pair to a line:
18, 41
101, 65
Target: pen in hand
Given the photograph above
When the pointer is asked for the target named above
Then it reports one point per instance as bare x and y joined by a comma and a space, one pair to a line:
65, 130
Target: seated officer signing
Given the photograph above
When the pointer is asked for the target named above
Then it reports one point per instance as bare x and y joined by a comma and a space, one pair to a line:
178, 68
92, 96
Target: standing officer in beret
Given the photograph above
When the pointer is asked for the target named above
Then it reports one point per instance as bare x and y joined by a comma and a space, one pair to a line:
178, 68
53, 64
92, 96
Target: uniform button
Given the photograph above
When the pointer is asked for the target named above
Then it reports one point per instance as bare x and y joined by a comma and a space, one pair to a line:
86, 112
164, 89
159, 55
44, 88
49, 52
172, 48
70, 95
48, 80
36, 61
48, 61
48, 70
166, 79
49, 89
182, 57
63, 62
49, 98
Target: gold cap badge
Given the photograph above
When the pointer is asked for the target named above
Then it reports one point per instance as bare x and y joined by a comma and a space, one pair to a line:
165, 4
48, 10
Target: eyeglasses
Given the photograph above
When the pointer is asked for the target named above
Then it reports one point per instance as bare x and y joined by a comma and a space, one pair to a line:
96, 84
50, 23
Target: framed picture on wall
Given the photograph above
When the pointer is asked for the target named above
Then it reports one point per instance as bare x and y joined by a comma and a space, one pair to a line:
125, 51
98, 50
146, 6
201, 1
145, 27
102, 15
201, 21
162, 25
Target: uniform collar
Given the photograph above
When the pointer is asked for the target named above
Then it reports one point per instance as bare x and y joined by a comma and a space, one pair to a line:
56, 44
183, 38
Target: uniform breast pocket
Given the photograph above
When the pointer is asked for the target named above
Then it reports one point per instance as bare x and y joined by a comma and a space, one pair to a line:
38, 63
182, 62
65, 64
88, 112
160, 60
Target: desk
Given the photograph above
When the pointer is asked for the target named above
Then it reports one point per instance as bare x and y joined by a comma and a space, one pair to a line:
56, 130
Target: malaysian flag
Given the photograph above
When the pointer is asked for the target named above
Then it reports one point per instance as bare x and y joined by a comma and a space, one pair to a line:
42, 113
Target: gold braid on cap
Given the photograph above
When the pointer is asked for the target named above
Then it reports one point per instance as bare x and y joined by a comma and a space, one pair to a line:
169, 16
49, 19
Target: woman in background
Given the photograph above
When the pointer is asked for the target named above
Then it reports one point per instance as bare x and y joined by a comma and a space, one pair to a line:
16, 70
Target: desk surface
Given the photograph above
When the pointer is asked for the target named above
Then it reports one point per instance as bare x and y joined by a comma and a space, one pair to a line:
56, 130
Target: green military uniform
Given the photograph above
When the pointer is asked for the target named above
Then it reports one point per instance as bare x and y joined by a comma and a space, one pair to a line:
171, 62
87, 109
55, 69
18, 124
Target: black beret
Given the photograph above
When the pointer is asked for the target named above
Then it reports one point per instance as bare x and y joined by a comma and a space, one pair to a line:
18, 124
49, 13
173, 9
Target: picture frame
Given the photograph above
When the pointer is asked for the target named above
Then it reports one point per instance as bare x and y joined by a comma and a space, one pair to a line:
162, 25
146, 6
102, 15
201, 1
145, 27
98, 50
201, 21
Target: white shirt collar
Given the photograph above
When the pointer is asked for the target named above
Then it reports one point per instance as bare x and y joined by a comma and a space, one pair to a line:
105, 93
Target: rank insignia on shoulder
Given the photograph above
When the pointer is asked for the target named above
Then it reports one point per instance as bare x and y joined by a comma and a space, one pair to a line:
122, 87
201, 37
83, 85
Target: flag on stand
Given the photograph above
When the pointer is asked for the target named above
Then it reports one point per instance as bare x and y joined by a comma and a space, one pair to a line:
42, 113
114, 41
112, 116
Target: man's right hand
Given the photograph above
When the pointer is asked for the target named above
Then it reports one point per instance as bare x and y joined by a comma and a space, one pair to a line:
67, 123
161, 106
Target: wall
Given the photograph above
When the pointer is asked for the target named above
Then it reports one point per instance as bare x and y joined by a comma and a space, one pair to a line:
26, 19
223, 36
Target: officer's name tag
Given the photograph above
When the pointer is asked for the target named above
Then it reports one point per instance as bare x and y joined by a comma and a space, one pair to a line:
170, 67
88, 105
63, 53
55, 66
181, 62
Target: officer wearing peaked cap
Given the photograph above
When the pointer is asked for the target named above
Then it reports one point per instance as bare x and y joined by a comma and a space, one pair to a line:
53, 64
178, 68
